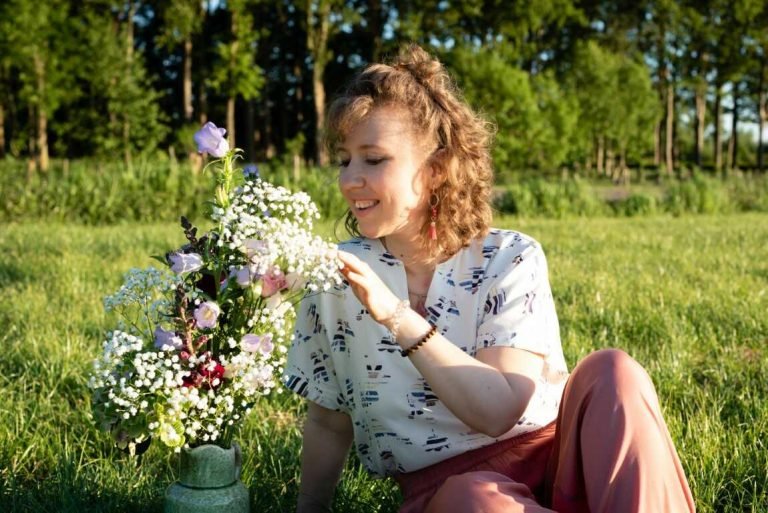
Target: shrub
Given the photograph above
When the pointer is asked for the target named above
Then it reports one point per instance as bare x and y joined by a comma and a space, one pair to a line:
698, 195
540, 198
635, 204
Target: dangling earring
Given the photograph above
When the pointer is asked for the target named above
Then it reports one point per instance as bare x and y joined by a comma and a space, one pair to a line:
433, 202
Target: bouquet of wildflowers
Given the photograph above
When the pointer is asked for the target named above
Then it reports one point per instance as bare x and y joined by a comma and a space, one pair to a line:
202, 337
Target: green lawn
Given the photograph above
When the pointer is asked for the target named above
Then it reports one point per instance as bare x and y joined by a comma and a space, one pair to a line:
687, 297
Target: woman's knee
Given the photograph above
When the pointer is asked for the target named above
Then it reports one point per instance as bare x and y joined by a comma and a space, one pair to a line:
613, 367
477, 491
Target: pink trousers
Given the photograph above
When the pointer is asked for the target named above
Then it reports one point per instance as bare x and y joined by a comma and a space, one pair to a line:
608, 452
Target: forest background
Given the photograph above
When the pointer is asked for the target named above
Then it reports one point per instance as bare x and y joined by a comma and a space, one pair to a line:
99, 99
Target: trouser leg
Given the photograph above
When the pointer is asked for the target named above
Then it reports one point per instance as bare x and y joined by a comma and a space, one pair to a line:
486, 492
613, 452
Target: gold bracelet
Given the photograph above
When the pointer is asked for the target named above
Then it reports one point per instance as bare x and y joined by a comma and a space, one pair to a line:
395, 318
415, 347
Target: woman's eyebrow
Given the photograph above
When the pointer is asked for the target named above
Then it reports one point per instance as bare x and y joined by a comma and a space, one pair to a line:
361, 147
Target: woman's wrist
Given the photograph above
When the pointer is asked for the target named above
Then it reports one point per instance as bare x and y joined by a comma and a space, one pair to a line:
413, 327
392, 322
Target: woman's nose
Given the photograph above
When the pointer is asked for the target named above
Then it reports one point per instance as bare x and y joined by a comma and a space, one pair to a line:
351, 177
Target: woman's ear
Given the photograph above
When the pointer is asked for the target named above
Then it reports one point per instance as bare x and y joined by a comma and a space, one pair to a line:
437, 164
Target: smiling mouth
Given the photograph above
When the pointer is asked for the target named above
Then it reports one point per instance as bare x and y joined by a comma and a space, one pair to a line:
365, 205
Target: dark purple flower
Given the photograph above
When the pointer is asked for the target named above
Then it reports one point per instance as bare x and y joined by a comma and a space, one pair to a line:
210, 139
251, 172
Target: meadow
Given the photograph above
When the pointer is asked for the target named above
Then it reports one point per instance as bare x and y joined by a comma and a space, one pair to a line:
686, 296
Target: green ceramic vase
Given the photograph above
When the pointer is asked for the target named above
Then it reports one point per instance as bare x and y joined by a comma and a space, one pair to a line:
209, 482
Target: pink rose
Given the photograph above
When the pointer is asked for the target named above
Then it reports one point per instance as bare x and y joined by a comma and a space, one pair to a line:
272, 282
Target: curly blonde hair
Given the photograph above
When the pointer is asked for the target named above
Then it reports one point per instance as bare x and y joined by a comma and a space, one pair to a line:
419, 84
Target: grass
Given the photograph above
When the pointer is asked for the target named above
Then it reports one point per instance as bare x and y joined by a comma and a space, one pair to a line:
687, 297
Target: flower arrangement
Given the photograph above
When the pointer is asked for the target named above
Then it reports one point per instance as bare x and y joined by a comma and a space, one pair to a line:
205, 335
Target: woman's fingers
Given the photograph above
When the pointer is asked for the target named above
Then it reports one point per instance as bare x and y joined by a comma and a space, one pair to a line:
351, 261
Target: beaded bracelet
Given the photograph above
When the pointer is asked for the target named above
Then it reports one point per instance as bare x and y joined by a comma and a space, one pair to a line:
401, 307
415, 347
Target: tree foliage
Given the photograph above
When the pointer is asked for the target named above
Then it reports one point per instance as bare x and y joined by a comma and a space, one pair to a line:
589, 84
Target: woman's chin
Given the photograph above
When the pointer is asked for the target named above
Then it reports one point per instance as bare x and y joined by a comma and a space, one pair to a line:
369, 232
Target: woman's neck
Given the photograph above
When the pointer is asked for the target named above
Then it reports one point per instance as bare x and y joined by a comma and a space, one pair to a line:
411, 254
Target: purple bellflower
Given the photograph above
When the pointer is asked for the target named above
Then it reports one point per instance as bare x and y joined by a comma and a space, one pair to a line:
210, 139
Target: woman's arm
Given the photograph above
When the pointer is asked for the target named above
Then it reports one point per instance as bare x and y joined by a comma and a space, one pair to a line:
489, 392
327, 438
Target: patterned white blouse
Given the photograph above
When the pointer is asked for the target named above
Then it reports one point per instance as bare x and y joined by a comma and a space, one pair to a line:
494, 292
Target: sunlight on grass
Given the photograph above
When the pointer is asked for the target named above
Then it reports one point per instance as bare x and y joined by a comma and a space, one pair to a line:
686, 297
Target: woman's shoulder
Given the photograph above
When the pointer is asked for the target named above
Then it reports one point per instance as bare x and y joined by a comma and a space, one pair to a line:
506, 245
360, 246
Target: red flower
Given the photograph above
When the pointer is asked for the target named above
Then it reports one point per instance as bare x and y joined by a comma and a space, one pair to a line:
209, 374
193, 380
212, 373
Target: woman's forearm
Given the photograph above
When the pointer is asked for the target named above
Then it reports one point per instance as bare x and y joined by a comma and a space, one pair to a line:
326, 442
479, 394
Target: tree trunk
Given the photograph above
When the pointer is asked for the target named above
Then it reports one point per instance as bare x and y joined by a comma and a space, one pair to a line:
268, 141
701, 112
2, 131
187, 81
127, 157
762, 115
319, 91
231, 121
32, 143
299, 94
733, 142
129, 31
375, 24
231, 97
663, 77
250, 132
669, 162
317, 42
718, 133
625, 175
202, 92
600, 157
202, 102
41, 115
128, 60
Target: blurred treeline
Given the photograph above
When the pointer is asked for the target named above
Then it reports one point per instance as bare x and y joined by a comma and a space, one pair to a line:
586, 87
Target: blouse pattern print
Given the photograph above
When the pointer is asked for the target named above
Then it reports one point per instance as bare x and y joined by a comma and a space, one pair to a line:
343, 360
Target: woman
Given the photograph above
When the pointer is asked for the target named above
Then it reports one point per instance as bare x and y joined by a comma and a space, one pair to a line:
440, 357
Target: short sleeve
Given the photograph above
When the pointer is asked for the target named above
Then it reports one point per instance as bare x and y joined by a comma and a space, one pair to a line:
310, 370
519, 310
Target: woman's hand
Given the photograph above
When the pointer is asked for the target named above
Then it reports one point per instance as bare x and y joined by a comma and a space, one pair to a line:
368, 287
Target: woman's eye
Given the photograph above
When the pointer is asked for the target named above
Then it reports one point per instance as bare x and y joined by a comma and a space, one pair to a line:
374, 162
343, 163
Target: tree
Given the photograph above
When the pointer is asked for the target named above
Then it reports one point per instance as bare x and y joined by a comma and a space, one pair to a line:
617, 106
31, 31
239, 76
182, 20
697, 63
319, 28
663, 31
116, 110
534, 118
759, 78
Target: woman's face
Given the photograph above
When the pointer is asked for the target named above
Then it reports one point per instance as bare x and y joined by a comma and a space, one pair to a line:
382, 175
